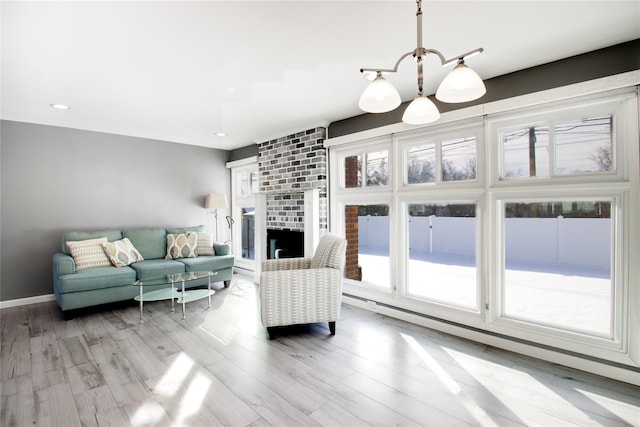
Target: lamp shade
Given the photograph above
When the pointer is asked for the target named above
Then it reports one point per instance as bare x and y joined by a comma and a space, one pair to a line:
421, 111
379, 97
215, 201
462, 84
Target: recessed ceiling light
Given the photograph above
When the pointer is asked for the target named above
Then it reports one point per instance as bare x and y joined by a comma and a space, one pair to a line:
60, 106
221, 134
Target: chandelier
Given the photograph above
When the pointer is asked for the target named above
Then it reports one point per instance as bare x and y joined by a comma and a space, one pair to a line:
462, 84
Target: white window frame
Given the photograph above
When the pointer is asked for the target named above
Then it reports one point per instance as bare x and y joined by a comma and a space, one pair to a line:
239, 201
623, 186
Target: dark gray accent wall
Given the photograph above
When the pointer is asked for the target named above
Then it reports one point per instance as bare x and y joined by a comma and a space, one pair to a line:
57, 179
605, 62
243, 152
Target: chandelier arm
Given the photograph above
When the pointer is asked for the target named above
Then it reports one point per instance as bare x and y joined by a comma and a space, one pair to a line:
393, 70
461, 57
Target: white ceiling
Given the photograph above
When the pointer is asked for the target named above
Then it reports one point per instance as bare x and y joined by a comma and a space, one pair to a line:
181, 71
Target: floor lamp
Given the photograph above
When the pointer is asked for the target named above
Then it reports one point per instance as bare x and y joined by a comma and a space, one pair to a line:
215, 201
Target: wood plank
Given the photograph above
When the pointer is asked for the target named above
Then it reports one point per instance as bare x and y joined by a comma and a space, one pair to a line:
98, 407
260, 398
55, 406
17, 406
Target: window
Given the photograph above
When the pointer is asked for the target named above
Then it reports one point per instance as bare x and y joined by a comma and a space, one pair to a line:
442, 253
371, 164
443, 160
557, 264
567, 147
368, 259
521, 224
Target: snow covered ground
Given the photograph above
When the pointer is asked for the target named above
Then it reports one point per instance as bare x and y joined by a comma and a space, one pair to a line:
568, 297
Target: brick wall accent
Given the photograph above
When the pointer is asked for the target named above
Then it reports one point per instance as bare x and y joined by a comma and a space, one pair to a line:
352, 269
288, 166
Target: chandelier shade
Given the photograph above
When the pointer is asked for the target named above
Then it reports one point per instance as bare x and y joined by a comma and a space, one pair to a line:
462, 84
421, 111
379, 97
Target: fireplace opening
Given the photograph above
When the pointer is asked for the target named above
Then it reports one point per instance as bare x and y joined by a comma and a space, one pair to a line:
285, 244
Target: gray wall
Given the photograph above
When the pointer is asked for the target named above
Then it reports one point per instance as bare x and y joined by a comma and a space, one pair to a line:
58, 179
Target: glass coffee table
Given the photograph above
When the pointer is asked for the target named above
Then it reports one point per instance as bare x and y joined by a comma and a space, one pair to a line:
172, 287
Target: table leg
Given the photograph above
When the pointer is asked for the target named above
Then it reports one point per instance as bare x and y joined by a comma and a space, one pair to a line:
209, 289
183, 302
141, 304
173, 298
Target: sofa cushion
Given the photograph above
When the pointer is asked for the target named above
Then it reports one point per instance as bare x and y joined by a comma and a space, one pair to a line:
208, 263
96, 278
150, 269
121, 252
196, 228
205, 244
88, 253
151, 243
182, 245
111, 235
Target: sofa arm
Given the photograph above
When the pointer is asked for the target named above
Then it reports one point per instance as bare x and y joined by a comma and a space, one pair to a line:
63, 264
222, 248
286, 264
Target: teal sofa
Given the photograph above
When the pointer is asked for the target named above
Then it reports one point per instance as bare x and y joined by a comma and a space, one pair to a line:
87, 287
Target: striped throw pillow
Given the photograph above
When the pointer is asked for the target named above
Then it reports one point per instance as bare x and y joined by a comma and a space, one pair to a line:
88, 253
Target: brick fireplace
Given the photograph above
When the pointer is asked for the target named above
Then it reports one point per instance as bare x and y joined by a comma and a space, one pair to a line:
293, 180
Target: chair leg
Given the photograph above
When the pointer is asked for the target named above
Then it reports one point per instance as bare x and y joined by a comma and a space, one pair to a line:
332, 328
271, 332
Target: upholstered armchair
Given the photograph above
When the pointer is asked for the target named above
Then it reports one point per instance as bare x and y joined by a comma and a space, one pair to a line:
297, 291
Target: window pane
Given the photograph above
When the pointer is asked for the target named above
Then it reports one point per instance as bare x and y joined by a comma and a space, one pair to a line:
442, 253
558, 264
367, 233
459, 159
584, 146
253, 182
421, 164
353, 171
378, 168
248, 234
526, 152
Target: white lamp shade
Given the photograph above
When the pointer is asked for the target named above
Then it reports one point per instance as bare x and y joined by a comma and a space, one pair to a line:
215, 201
379, 97
462, 84
421, 111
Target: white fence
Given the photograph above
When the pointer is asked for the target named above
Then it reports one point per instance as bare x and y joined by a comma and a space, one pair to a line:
581, 242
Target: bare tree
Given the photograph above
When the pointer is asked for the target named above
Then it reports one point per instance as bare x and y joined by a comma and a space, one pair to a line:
602, 158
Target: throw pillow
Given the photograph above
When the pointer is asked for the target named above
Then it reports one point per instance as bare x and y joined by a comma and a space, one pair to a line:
88, 253
205, 244
182, 245
122, 252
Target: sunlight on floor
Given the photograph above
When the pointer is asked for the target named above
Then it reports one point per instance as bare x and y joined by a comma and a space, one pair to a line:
465, 400
192, 400
148, 414
173, 379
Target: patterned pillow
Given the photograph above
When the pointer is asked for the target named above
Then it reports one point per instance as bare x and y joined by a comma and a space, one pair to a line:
88, 253
182, 245
122, 252
205, 244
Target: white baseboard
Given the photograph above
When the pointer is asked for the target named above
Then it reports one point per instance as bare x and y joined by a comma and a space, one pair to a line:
26, 301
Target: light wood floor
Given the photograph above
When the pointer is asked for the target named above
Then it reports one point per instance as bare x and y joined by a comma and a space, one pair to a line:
219, 368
